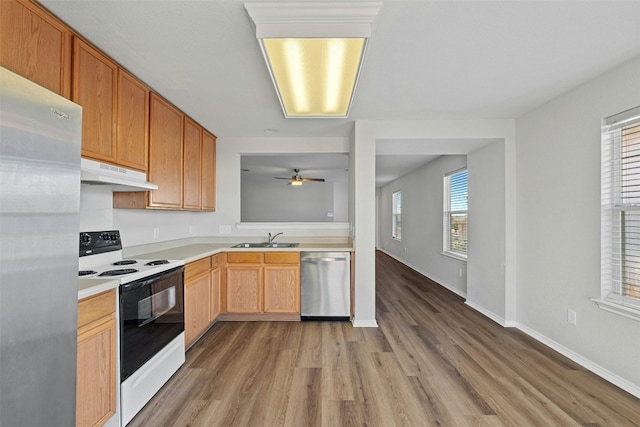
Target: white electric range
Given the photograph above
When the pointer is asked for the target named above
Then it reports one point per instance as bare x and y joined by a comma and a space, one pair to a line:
151, 316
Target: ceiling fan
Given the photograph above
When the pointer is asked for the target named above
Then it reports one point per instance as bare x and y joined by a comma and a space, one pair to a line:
298, 180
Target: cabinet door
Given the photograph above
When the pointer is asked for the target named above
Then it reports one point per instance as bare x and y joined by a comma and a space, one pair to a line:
208, 171
281, 289
192, 164
96, 373
197, 301
244, 286
94, 87
133, 122
165, 153
35, 45
216, 276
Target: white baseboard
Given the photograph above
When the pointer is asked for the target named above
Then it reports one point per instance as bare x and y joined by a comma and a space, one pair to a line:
364, 323
484, 311
440, 282
582, 361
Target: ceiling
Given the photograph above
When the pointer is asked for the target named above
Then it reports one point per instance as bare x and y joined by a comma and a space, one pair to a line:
444, 59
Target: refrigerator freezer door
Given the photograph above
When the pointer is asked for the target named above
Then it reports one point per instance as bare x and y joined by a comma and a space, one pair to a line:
40, 135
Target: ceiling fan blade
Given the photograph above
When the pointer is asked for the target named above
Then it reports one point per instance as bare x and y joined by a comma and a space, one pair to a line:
280, 177
313, 179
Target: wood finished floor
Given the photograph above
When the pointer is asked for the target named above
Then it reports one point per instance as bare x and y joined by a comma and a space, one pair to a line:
433, 361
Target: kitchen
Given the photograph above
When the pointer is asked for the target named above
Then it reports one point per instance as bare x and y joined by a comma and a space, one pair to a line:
138, 226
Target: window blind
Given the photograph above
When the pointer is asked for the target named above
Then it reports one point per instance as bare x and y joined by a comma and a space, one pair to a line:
396, 213
455, 212
620, 262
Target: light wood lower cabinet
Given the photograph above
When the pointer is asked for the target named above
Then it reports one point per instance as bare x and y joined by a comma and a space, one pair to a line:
202, 283
263, 283
218, 262
282, 282
96, 368
244, 288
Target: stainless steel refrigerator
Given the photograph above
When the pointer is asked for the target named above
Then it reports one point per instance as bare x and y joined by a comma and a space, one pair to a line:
40, 134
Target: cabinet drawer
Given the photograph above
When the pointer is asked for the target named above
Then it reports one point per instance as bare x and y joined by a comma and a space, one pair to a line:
196, 268
217, 260
282, 258
244, 257
93, 308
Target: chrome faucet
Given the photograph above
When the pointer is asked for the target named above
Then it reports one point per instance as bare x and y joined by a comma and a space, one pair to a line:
271, 239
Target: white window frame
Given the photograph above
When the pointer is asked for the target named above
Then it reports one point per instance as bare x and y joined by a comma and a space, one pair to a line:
396, 216
448, 213
614, 259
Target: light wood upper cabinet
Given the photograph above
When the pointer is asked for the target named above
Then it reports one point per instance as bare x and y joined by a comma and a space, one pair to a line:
35, 45
165, 153
93, 87
96, 366
132, 147
182, 157
208, 171
192, 164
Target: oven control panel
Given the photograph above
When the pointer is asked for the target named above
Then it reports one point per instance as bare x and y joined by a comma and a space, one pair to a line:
97, 242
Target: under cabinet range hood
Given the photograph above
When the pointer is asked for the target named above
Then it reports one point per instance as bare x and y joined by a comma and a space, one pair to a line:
121, 179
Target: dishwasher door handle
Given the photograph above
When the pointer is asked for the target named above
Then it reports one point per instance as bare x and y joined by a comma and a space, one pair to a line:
316, 260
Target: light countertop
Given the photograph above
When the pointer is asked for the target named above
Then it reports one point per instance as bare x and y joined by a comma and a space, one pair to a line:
189, 251
91, 287
196, 251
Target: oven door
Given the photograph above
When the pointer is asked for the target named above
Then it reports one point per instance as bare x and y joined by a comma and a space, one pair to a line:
151, 316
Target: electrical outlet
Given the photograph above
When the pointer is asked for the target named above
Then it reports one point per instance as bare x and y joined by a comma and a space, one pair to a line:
460, 272
572, 316
192, 230
224, 229
156, 233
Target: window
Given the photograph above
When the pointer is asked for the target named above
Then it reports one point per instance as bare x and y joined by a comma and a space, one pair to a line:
620, 219
455, 214
396, 215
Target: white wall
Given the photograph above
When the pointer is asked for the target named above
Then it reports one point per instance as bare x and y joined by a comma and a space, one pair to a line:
422, 204
449, 136
486, 290
137, 226
558, 225
277, 201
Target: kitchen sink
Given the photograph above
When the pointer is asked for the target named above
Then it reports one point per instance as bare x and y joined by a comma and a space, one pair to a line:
266, 245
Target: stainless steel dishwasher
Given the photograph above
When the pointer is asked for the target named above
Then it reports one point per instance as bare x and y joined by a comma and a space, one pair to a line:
325, 279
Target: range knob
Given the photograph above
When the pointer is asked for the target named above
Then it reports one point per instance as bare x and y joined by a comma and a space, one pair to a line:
85, 239
114, 236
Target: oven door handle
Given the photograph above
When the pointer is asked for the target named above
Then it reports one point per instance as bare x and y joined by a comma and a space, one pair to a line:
150, 280
158, 308
139, 284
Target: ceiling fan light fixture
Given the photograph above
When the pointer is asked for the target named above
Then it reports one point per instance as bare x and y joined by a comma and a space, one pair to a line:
314, 53
295, 182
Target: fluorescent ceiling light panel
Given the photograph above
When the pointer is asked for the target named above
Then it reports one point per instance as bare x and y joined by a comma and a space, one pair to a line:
314, 52
315, 77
